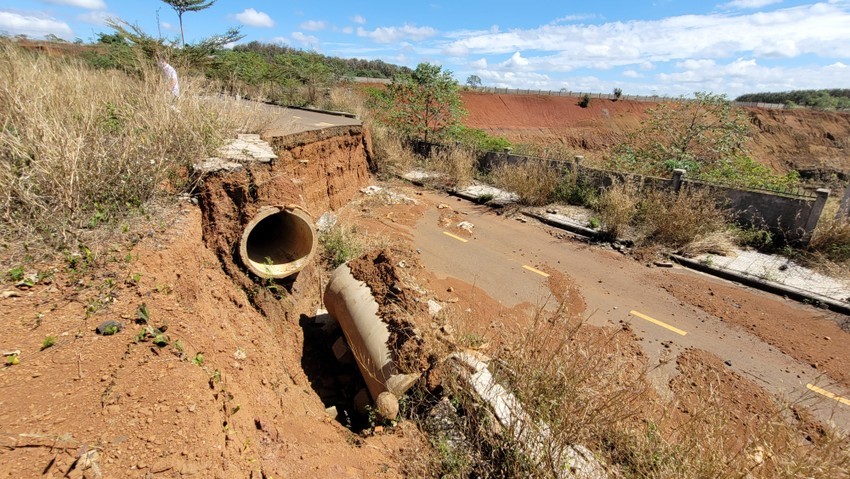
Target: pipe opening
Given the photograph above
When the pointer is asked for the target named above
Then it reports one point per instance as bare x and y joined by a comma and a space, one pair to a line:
278, 242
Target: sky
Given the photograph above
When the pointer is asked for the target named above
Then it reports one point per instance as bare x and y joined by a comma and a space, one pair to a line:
660, 47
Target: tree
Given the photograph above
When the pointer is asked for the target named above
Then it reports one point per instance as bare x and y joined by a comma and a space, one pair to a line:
474, 81
618, 92
423, 103
699, 135
183, 6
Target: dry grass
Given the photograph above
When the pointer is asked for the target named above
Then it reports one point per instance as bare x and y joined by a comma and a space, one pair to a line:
534, 182
690, 222
831, 239
617, 208
80, 147
589, 385
391, 155
457, 165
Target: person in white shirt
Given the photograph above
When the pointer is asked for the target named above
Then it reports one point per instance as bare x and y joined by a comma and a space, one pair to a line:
170, 75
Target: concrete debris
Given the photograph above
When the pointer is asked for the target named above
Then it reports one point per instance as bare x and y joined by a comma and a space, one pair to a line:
213, 165
248, 148
387, 196
534, 436
230, 157
326, 222
434, 307
342, 352
466, 226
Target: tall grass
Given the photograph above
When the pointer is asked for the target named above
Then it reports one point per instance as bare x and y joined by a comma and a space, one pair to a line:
534, 182
589, 386
690, 221
79, 147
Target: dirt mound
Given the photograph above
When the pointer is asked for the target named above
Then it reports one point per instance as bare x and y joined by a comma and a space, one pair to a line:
543, 119
397, 307
225, 397
815, 143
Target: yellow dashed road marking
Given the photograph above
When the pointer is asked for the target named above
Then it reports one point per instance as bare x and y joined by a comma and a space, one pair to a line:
659, 323
534, 270
454, 236
824, 392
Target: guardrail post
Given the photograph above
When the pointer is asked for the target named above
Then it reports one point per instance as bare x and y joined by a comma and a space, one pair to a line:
677, 179
814, 215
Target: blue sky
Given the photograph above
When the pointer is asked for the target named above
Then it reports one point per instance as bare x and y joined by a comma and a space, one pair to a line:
670, 47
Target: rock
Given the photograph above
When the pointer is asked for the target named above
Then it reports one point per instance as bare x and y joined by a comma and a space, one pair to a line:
342, 352
327, 221
442, 206
434, 307
332, 412
387, 406
466, 226
10, 294
664, 264
109, 327
728, 363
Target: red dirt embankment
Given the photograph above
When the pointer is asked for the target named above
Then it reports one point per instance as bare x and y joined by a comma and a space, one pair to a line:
815, 143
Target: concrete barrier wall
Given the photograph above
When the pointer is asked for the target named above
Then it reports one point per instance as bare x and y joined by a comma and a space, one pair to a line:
790, 216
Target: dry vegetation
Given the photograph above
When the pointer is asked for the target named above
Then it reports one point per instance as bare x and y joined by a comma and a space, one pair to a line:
535, 182
589, 386
82, 147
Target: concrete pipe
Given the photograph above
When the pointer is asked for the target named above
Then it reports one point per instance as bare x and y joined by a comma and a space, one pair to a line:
351, 303
278, 242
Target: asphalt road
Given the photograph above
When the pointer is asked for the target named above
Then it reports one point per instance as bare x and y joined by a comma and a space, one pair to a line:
506, 258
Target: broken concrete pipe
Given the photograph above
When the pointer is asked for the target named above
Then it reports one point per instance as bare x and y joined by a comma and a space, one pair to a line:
278, 242
351, 303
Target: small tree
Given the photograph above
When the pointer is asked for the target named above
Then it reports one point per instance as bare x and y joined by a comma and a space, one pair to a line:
585, 101
423, 103
474, 81
618, 92
183, 6
697, 135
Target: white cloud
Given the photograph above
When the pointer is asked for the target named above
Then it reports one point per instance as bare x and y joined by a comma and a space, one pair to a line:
510, 79
313, 25
166, 26
254, 18
515, 62
397, 34
817, 29
90, 4
747, 76
307, 40
748, 4
33, 26
632, 74
479, 64
98, 17
347, 30
358, 19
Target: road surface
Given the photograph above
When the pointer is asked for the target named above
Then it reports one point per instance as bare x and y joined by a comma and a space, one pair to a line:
508, 259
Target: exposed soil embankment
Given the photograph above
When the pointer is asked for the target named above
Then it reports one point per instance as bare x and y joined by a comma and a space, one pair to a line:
318, 170
815, 143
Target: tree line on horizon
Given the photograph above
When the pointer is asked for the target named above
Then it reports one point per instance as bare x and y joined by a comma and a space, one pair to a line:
836, 98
